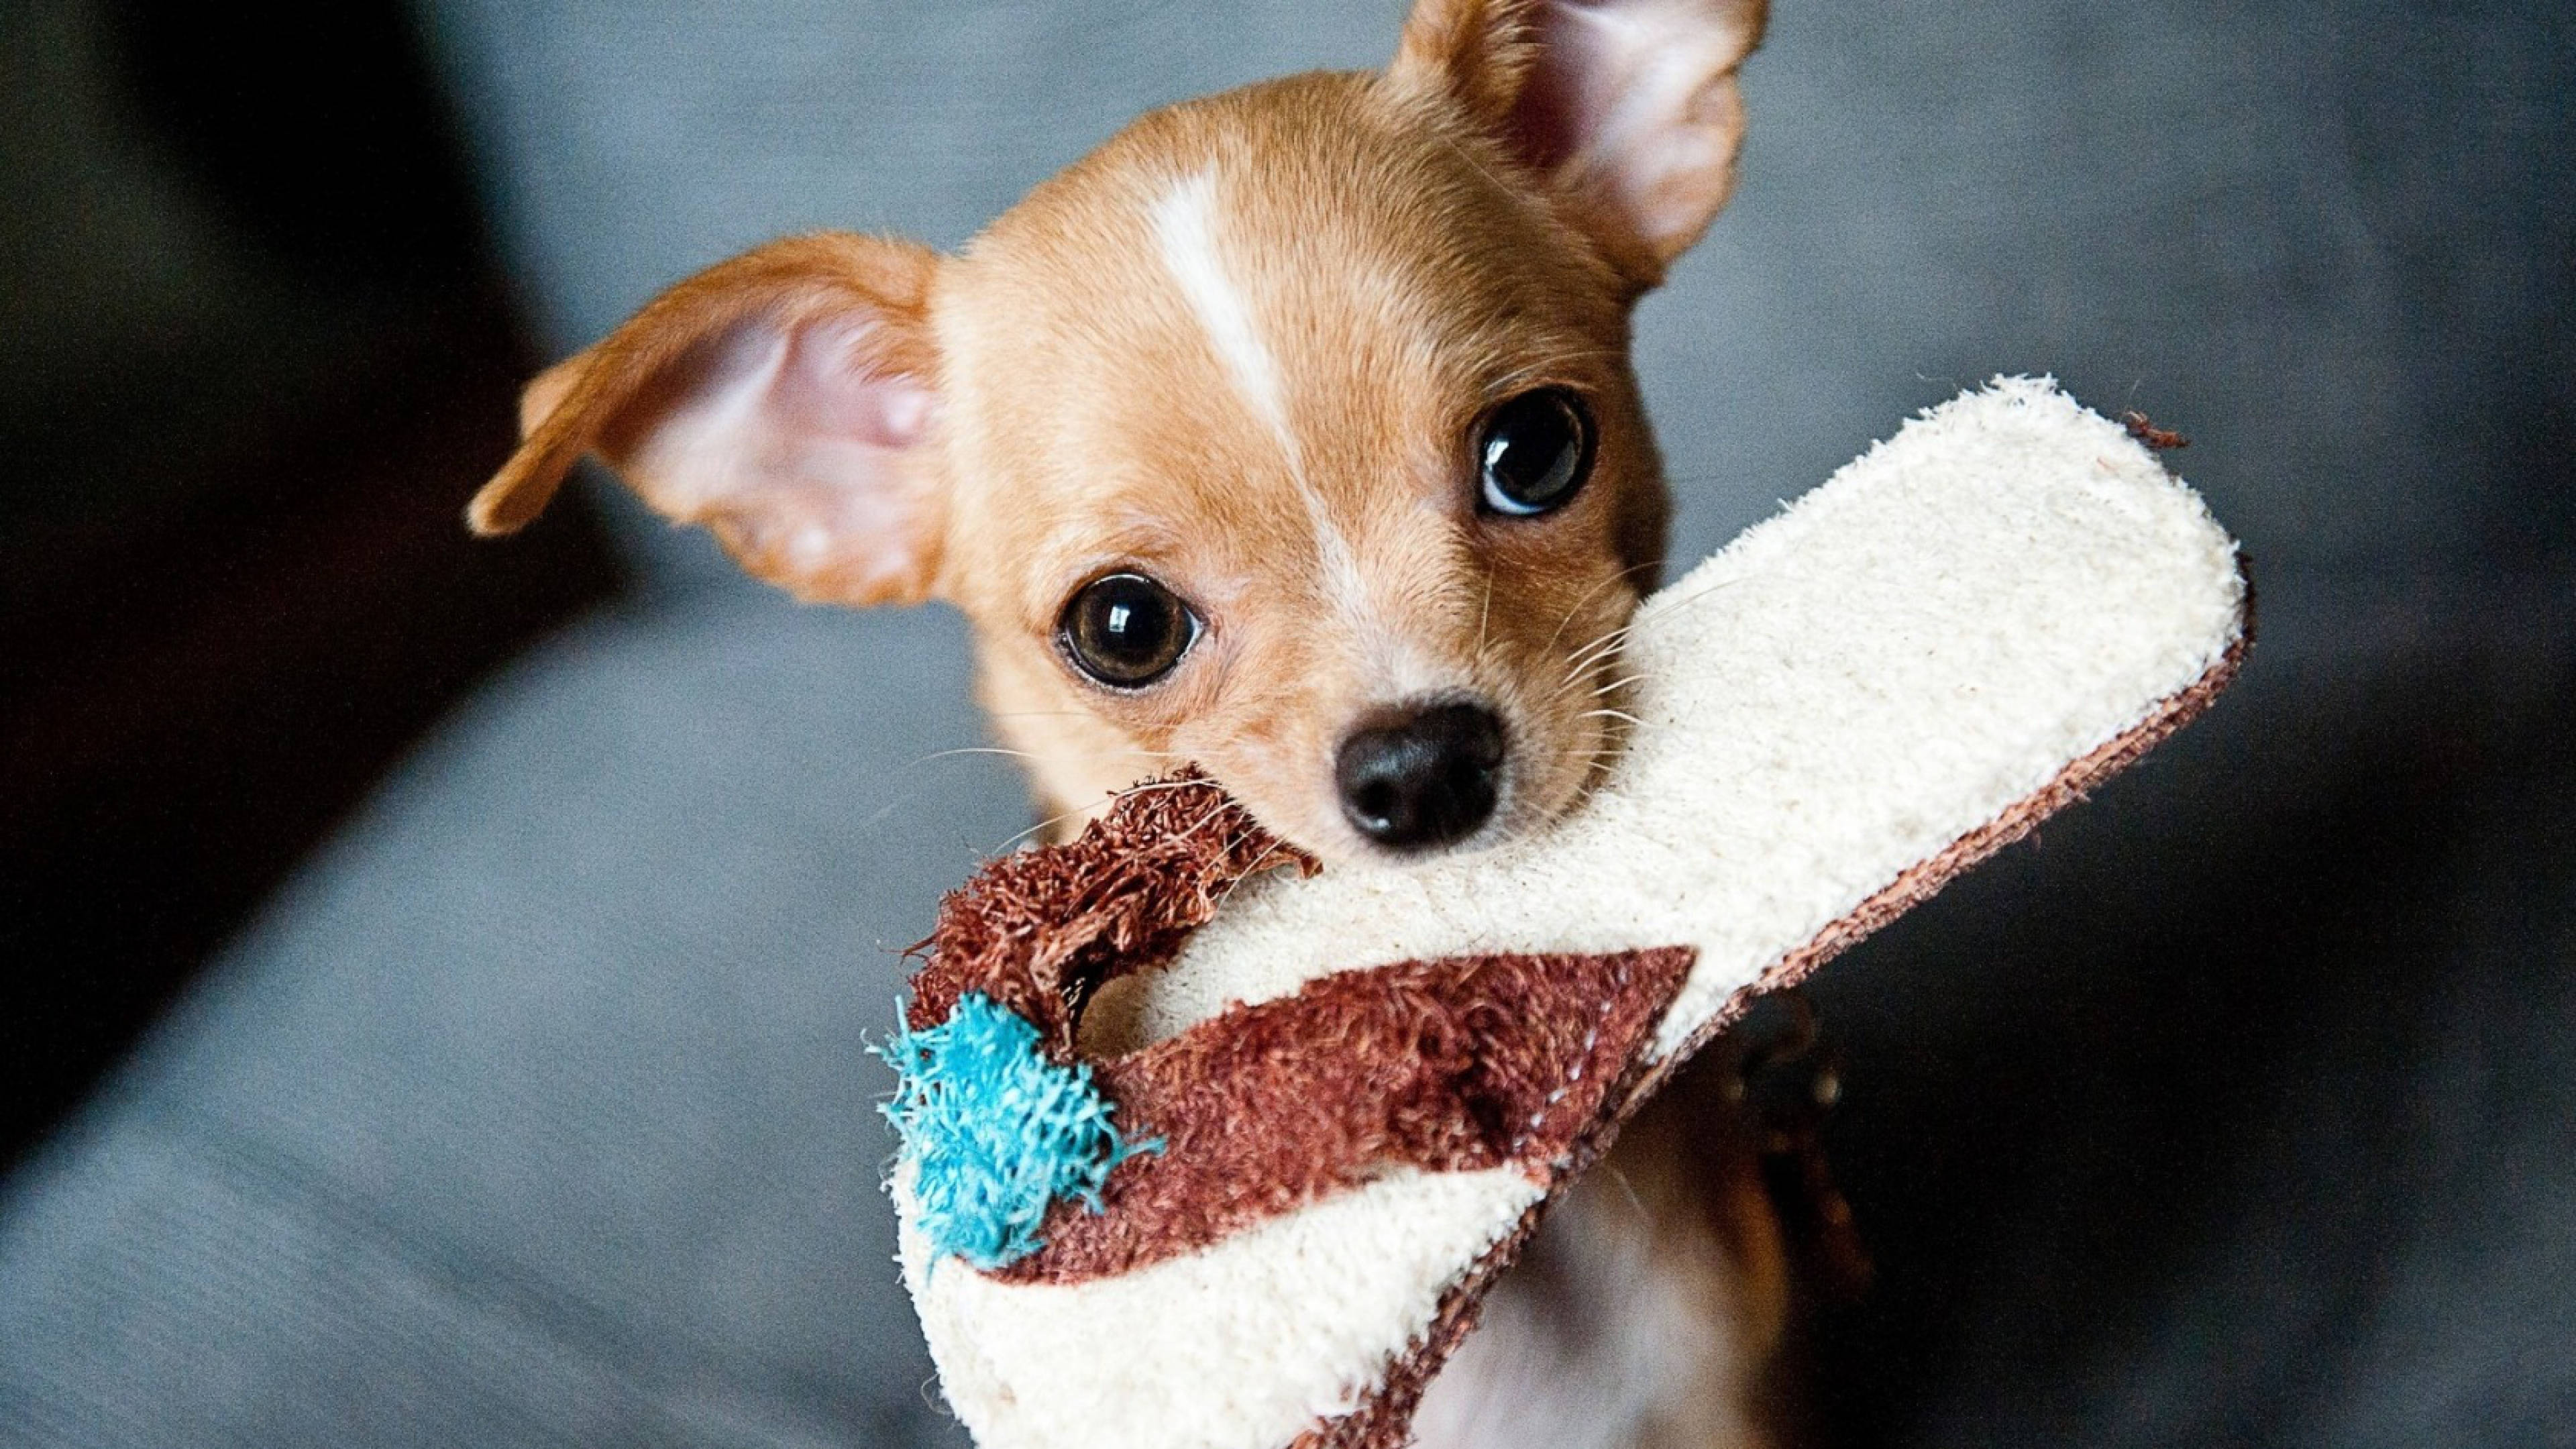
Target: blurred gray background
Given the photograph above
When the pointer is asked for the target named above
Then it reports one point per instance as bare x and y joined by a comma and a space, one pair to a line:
529, 1108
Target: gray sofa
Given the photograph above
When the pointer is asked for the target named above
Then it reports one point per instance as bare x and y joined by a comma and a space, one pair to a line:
535, 1111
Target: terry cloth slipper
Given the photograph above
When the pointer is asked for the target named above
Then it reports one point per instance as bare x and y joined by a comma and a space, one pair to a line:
1198, 1152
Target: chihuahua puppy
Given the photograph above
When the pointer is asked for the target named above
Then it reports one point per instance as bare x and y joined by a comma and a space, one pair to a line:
1292, 433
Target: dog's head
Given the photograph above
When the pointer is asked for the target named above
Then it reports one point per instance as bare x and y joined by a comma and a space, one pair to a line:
1292, 432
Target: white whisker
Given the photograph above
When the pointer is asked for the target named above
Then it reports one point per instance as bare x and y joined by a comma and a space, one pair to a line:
1601, 648
1589, 595
1250, 871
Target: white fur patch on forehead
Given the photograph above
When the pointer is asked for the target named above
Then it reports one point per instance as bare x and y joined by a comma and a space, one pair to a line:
1185, 230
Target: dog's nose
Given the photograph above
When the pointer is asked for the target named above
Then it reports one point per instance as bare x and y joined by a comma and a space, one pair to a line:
1423, 778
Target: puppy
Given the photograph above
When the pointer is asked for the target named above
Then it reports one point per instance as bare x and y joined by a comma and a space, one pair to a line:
1291, 433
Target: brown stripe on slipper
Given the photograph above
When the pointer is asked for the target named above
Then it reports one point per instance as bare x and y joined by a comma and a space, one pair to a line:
1462, 1063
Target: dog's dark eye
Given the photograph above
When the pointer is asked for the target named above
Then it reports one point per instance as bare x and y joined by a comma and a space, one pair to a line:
1533, 452
1126, 630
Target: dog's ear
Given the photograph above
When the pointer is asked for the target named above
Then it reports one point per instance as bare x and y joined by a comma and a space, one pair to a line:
781, 399
1628, 107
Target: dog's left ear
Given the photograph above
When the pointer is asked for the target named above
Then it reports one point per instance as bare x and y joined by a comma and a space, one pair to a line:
1629, 107
781, 399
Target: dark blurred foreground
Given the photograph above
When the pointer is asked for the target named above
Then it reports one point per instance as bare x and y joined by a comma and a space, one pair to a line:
253, 354
2237, 1106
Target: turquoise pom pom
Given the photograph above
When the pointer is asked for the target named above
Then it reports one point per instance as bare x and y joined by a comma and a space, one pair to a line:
995, 1131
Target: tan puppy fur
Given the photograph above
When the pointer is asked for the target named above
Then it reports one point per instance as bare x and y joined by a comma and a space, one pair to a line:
1244, 350
1298, 470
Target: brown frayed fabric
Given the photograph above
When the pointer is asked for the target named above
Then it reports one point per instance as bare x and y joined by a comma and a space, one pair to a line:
1466, 1062
2162, 440
1463, 1063
1040, 930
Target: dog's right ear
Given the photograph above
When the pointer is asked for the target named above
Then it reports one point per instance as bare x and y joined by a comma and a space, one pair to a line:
782, 399
1629, 108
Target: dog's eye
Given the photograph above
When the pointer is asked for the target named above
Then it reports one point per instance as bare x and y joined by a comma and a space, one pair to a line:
1533, 452
1126, 630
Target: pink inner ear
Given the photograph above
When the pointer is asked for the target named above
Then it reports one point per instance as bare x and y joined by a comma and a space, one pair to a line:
1632, 101
829, 385
796, 447
1554, 115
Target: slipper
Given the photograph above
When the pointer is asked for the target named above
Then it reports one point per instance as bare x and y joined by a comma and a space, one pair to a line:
1201, 1151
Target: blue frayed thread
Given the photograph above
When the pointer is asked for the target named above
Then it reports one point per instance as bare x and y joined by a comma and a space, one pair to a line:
995, 1131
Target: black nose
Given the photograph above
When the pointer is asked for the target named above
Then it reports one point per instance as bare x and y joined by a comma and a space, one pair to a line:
1424, 777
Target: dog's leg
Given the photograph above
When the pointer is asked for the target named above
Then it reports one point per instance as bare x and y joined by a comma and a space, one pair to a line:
1647, 1312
